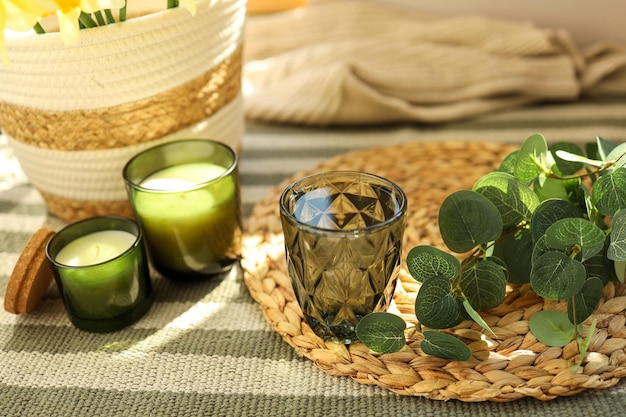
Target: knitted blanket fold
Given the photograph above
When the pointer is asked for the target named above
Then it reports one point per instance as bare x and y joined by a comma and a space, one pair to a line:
346, 62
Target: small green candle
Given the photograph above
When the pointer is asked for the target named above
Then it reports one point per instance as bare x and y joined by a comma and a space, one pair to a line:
101, 269
187, 204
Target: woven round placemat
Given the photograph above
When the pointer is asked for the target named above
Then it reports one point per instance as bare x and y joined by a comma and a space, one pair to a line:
511, 366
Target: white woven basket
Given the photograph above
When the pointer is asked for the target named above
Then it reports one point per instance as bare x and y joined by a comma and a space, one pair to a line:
74, 115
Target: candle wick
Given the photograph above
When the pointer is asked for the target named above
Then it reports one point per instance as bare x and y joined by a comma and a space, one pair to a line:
97, 251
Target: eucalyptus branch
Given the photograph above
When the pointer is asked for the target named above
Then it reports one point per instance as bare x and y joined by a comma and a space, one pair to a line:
544, 233
572, 300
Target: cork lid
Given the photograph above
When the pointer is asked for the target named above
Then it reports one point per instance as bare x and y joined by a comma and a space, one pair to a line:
31, 276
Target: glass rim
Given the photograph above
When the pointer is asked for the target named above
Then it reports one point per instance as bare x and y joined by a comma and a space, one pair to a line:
398, 214
121, 219
229, 170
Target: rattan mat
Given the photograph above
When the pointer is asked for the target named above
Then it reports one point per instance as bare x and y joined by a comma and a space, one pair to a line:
511, 366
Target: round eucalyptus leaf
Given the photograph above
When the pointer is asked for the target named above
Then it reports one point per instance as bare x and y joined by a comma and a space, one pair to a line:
514, 199
601, 149
583, 304
617, 246
609, 192
552, 328
531, 156
435, 304
425, 261
555, 276
516, 250
467, 219
508, 162
382, 332
600, 266
548, 212
576, 232
567, 167
539, 249
550, 188
444, 346
616, 154
484, 284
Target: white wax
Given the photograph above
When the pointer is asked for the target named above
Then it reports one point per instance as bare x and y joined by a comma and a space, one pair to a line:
95, 248
183, 177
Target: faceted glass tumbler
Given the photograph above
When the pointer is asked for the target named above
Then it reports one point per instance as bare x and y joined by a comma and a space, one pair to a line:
343, 238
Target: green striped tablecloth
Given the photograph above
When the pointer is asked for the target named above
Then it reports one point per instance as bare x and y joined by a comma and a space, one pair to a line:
205, 348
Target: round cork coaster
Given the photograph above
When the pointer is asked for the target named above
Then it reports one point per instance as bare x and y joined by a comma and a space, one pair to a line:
508, 367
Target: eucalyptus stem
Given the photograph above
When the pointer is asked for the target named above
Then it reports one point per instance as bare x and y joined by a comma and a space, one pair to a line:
572, 300
38, 28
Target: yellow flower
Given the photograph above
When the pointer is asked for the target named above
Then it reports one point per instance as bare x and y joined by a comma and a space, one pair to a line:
22, 15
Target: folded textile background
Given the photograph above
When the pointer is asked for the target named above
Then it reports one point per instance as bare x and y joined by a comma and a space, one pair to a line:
338, 62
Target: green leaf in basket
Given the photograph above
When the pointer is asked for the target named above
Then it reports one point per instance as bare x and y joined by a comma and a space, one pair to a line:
424, 262
531, 158
569, 157
476, 317
549, 211
444, 346
436, 306
508, 163
484, 284
609, 192
576, 233
583, 304
583, 345
617, 248
556, 276
468, 219
516, 251
552, 328
382, 332
514, 199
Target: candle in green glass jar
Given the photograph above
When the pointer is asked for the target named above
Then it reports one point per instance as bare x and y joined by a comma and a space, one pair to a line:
188, 227
102, 291
101, 269
185, 196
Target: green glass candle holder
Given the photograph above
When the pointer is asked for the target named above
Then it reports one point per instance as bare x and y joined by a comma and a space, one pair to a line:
186, 198
101, 269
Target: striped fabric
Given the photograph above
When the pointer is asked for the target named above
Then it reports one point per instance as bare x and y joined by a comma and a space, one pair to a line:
205, 348
345, 62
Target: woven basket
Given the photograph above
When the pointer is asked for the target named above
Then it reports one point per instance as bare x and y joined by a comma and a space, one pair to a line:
73, 115
511, 366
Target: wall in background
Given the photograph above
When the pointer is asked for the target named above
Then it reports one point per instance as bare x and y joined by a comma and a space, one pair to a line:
587, 21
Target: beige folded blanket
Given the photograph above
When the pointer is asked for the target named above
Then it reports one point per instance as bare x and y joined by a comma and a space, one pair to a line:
339, 62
